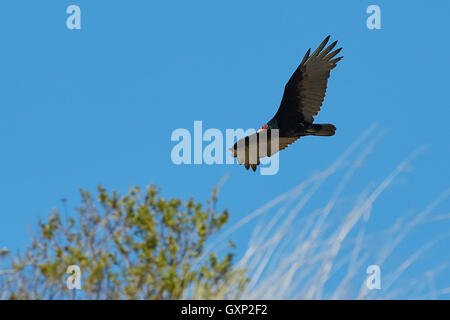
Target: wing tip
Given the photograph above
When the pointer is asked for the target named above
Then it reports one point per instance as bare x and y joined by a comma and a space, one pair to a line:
334, 61
306, 56
321, 46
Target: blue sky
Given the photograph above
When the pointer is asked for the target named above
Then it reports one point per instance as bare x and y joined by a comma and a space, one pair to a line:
98, 105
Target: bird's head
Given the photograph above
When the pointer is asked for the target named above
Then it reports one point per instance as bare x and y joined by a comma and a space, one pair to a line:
233, 150
263, 127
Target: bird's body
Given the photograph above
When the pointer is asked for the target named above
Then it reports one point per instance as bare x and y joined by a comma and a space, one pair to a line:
302, 99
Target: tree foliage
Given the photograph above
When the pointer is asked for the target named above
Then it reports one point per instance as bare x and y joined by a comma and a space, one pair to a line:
133, 246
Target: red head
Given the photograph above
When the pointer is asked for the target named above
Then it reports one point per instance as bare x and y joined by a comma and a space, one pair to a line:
264, 127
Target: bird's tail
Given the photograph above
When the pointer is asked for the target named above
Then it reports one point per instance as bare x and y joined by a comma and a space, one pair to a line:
321, 130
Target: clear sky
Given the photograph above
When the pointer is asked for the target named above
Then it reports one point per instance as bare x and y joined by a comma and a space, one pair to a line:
98, 105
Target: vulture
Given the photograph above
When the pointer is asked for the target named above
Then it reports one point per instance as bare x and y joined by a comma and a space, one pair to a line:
302, 99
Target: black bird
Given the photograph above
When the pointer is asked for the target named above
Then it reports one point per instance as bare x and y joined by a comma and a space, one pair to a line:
302, 99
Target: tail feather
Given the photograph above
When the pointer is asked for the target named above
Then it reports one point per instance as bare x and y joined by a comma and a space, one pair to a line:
322, 130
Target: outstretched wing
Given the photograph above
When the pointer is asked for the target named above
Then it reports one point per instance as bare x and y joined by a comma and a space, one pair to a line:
305, 90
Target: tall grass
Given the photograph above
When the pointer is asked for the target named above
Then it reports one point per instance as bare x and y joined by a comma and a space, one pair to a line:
298, 252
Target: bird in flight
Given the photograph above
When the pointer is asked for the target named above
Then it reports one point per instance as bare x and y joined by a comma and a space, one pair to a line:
302, 99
